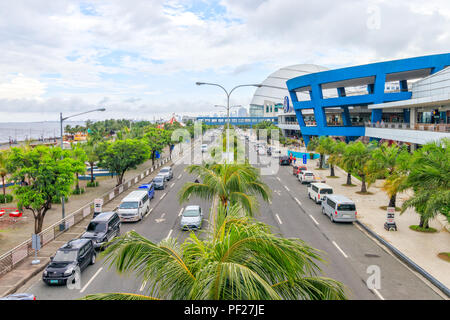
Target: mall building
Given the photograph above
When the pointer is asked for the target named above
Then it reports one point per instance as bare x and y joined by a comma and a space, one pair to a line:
405, 100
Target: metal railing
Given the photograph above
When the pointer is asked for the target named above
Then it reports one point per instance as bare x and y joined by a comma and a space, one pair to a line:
403, 125
14, 256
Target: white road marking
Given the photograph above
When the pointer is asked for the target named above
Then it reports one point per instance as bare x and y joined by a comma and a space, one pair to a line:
298, 201
378, 294
278, 217
287, 188
179, 177
315, 221
170, 232
343, 253
279, 179
143, 286
172, 184
164, 194
270, 201
162, 216
93, 277
181, 211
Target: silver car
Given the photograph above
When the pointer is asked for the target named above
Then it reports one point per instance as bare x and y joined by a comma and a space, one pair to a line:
191, 218
167, 173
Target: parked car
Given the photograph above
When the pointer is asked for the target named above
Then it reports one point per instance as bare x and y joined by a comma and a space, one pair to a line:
285, 161
317, 191
159, 182
191, 218
306, 177
103, 228
134, 206
300, 169
167, 173
150, 189
71, 258
339, 208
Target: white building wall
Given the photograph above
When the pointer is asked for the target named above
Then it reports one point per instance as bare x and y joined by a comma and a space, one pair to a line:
411, 136
433, 85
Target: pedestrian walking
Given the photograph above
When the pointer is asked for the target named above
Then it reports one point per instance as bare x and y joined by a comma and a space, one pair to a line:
295, 159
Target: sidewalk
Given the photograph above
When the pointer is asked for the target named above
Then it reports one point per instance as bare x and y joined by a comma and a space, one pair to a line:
17, 277
422, 248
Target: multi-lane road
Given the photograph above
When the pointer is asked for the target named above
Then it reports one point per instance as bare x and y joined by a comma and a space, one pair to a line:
348, 251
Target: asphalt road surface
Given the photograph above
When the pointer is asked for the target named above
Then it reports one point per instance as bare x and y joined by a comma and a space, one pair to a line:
348, 251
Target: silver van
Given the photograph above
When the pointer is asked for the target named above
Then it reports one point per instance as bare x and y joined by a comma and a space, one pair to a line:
339, 208
134, 206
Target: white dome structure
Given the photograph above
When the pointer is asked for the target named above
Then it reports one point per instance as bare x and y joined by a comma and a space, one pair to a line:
278, 79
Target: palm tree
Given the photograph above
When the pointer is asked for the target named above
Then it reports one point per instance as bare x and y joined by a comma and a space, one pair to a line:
336, 156
356, 158
429, 177
240, 260
3, 169
391, 163
230, 183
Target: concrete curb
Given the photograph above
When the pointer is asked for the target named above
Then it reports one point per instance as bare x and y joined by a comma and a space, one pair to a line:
407, 260
24, 280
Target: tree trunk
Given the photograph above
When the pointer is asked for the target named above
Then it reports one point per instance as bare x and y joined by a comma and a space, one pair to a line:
332, 170
78, 182
392, 200
92, 172
423, 222
153, 157
349, 178
321, 161
363, 183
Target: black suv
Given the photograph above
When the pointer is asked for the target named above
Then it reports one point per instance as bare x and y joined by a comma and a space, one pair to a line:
103, 228
74, 256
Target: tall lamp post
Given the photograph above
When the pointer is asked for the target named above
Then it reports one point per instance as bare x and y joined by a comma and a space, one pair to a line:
228, 102
61, 119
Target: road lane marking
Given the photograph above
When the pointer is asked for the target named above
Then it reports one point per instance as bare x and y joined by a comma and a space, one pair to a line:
151, 209
279, 179
287, 188
179, 177
163, 195
378, 294
315, 221
170, 232
172, 184
298, 201
343, 253
278, 217
181, 211
89, 282
270, 201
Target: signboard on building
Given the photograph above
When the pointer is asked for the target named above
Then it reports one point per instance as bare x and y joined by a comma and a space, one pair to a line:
286, 106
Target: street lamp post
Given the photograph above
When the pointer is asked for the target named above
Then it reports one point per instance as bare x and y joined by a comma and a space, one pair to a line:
61, 119
228, 102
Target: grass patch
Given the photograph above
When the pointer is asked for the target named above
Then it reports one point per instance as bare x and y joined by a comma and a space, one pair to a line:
333, 177
321, 169
444, 256
364, 193
421, 229
349, 185
397, 209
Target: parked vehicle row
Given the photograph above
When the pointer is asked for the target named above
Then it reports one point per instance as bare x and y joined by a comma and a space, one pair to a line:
337, 207
77, 254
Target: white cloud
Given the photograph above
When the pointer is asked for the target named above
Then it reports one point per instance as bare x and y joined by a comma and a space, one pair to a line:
21, 87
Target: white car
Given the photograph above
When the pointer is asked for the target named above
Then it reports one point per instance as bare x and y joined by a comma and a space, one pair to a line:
306, 177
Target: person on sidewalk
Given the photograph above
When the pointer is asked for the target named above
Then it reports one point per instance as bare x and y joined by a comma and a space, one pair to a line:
295, 159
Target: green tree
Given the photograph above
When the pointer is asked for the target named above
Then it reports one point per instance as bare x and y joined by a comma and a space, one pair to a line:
92, 156
335, 157
79, 155
122, 155
4, 159
325, 147
392, 164
356, 159
230, 183
429, 177
48, 177
156, 139
240, 260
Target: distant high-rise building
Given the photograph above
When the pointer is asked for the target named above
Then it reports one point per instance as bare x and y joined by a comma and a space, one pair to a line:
242, 112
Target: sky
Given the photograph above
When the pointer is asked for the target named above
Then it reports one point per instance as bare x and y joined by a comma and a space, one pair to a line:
140, 59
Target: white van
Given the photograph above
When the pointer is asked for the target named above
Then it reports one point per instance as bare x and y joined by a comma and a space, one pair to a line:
316, 191
339, 208
134, 206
